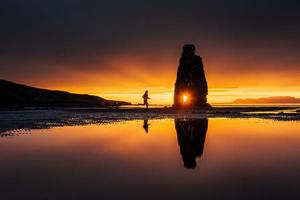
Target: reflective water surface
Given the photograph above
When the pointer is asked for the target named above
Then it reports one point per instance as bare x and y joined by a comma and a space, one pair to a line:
154, 159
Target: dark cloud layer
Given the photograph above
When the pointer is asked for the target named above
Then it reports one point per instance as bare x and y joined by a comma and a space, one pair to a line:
37, 35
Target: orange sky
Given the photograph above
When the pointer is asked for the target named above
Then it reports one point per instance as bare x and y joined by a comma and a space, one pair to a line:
118, 49
128, 77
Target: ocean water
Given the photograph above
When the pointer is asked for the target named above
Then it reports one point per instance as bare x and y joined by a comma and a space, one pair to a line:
170, 158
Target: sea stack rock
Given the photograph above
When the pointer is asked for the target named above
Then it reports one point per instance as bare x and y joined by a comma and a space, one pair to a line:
191, 85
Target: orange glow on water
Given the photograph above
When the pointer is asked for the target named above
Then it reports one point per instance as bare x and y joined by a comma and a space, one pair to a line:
122, 153
128, 142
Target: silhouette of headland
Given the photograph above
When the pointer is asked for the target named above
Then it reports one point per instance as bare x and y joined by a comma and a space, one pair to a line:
18, 96
191, 85
269, 100
191, 139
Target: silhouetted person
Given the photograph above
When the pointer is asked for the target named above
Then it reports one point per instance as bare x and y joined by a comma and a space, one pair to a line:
146, 97
191, 139
146, 125
191, 86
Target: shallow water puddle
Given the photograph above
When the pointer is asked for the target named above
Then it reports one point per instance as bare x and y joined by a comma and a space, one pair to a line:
167, 158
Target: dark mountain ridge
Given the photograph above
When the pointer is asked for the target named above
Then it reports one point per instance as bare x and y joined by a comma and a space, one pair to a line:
19, 96
269, 100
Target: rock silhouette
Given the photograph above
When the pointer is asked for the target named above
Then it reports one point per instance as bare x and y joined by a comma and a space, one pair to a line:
191, 136
191, 85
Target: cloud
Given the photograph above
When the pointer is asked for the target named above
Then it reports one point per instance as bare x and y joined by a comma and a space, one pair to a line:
43, 39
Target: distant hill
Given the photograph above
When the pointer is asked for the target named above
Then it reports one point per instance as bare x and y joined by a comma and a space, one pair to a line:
269, 100
18, 95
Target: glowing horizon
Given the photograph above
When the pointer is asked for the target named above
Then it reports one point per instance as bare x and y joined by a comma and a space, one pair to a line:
127, 77
134, 75
216, 95
164, 95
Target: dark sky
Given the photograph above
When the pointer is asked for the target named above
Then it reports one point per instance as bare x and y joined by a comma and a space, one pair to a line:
44, 41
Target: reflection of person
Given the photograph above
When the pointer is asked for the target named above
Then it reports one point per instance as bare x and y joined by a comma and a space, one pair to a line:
146, 97
191, 138
146, 125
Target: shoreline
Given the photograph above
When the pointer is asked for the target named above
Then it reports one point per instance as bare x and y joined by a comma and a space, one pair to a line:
11, 121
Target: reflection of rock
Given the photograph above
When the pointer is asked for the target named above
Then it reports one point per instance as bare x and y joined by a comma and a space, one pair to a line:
190, 80
191, 138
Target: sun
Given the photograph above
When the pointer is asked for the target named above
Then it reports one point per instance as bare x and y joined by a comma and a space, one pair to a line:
185, 98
